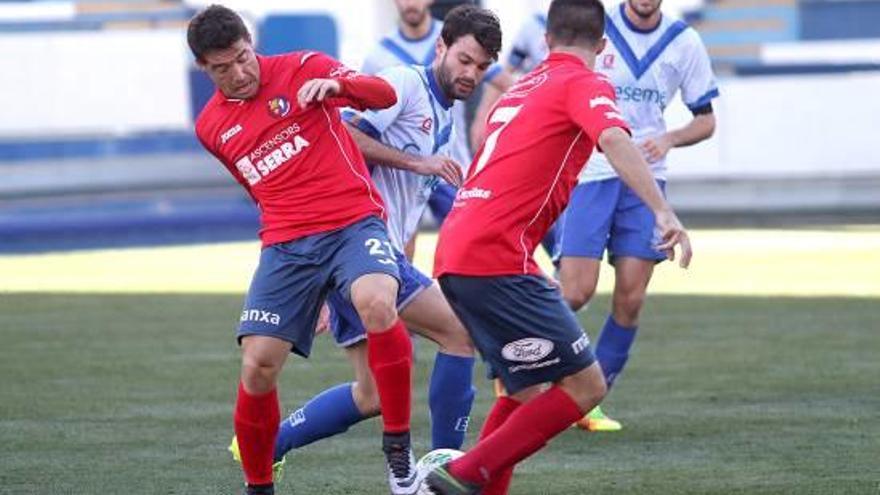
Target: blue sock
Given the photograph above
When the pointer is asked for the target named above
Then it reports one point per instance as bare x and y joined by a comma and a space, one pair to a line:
612, 348
328, 413
450, 397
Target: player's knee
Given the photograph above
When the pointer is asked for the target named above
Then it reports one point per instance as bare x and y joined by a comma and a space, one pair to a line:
593, 394
577, 295
578, 278
375, 298
587, 387
590, 394
455, 339
258, 374
628, 306
377, 311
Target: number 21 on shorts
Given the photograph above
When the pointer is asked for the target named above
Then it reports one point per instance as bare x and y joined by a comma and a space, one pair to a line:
381, 250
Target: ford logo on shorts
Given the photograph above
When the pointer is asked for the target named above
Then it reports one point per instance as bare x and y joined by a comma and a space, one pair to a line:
527, 350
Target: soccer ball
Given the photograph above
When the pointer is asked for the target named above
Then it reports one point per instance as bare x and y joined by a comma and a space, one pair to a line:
434, 459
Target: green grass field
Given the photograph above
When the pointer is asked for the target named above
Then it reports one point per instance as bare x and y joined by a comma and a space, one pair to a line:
757, 372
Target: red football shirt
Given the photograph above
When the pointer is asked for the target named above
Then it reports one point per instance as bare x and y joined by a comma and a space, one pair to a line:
301, 166
539, 136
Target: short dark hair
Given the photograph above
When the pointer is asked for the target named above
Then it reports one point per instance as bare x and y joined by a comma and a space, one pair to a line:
215, 28
481, 23
576, 22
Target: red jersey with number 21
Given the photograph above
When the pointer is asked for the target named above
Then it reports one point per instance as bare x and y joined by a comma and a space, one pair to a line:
539, 135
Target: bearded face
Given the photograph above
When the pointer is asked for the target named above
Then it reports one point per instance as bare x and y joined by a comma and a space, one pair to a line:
644, 8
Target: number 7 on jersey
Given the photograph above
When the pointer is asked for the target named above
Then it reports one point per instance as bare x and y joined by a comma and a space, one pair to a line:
504, 115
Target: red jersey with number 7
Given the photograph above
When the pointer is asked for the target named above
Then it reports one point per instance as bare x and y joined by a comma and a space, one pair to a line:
300, 165
539, 136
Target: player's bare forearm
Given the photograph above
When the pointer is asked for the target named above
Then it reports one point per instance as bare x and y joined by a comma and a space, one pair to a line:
700, 128
376, 152
632, 168
384, 155
630, 165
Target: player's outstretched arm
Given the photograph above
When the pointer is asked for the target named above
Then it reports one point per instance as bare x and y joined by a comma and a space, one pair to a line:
358, 91
629, 164
381, 154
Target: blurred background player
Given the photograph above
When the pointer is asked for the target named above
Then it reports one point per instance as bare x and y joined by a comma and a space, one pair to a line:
529, 46
649, 58
412, 43
406, 142
272, 122
540, 134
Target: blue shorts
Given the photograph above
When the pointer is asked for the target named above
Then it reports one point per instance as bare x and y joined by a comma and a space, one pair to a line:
345, 324
522, 327
441, 201
293, 279
607, 214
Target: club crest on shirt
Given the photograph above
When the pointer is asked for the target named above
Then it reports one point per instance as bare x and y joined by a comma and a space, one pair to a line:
528, 83
279, 107
608, 61
427, 124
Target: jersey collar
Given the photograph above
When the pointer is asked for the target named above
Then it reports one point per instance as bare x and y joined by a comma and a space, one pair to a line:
638, 66
562, 57
421, 38
435, 89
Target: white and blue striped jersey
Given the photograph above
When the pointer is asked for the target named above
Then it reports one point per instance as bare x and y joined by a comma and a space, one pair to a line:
396, 49
420, 123
647, 69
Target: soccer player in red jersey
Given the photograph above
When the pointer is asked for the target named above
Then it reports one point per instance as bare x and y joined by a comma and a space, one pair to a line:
273, 123
539, 134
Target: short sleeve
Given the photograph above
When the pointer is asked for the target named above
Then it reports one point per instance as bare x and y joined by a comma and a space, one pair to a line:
698, 85
405, 82
592, 105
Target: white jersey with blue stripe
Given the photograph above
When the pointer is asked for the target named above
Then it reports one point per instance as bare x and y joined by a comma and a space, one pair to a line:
396, 49
647, 69
420, 123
